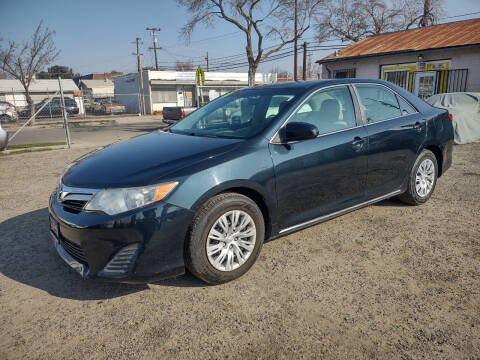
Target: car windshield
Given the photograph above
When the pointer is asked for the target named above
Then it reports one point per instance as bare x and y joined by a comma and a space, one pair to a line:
241, 114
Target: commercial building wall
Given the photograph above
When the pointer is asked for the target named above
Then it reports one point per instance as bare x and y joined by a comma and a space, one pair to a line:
370, 68
174, 88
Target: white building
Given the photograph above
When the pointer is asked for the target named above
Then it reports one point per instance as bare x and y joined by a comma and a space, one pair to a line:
96, 88
175, 88
13, 91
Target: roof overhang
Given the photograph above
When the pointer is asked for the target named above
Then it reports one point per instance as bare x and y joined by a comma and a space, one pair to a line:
400, 52
171, 82
193, 82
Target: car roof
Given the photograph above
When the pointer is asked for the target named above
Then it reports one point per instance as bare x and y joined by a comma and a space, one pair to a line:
307, 85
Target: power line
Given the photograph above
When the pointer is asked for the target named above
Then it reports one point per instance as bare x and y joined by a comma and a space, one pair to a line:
222, 36
269, 59
234, 63
456, 16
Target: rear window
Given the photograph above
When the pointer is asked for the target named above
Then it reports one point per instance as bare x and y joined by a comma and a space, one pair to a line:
406, 108
379, 103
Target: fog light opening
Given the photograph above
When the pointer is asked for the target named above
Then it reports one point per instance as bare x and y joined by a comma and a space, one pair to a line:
121, 264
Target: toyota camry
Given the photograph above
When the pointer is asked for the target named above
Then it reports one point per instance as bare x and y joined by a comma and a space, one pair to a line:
254, 164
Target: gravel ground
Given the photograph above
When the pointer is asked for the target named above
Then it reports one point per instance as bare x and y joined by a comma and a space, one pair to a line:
387, 281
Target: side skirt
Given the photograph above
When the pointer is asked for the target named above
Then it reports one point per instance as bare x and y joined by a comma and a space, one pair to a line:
336, 213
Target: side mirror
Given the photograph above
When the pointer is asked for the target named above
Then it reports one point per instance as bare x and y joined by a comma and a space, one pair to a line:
296, 131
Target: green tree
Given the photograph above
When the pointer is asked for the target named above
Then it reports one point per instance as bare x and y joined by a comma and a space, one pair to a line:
57, 70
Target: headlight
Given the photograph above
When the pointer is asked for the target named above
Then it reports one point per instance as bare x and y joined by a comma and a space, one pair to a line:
115, 201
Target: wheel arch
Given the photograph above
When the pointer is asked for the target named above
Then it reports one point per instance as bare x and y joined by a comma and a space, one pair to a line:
251, 190
438, 155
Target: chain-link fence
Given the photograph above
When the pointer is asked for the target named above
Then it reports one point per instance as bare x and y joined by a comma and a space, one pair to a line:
47, 104
15, 107
121, 98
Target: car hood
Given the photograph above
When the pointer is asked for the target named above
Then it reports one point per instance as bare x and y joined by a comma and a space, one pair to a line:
143, 160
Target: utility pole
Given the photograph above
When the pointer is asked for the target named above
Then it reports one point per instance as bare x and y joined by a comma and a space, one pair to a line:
206, 58
304, 60
295, 43
154, 44
140, 71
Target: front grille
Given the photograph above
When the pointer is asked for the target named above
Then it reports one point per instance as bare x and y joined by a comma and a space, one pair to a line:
73, 249
74, 199
75, 205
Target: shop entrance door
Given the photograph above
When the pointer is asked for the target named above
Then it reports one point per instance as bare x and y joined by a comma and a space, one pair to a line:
424, 84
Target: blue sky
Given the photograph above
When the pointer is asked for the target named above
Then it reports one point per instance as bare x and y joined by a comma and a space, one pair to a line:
98, 36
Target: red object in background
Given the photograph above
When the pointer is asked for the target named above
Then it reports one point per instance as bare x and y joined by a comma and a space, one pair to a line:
181, 114
450, 116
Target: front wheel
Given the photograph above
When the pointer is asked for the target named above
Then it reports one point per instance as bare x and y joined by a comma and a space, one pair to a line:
422, 180
225, 239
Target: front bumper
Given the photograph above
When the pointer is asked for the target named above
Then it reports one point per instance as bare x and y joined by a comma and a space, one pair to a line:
94, 243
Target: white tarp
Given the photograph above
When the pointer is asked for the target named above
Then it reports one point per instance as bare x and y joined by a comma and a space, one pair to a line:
465, 109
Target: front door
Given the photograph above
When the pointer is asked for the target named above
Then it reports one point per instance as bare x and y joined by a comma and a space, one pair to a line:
322, 175
424, 84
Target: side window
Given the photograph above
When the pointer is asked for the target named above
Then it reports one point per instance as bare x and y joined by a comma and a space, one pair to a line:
277, 104
378, 102
406, 108
329, 110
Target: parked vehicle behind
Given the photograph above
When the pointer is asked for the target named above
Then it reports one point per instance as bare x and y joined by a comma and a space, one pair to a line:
3, 137
173, 113
8, 111
53, 108
258, 163
464, 108
108, 106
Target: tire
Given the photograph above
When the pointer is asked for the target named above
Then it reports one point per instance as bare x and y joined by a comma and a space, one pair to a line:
5, 118
207, 228
425, 172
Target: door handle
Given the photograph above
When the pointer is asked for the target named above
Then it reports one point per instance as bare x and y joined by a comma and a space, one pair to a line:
418, 126
358, 143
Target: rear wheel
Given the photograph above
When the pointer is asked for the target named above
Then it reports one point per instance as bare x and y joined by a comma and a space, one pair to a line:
422, 180
226, 237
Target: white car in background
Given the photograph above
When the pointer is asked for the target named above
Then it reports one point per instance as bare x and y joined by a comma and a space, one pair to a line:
3, 138
8, 111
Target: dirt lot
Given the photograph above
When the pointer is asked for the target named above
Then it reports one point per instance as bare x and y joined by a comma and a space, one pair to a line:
387, 281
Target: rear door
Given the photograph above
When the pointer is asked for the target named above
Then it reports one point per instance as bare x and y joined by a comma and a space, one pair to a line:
396, 132
319, 176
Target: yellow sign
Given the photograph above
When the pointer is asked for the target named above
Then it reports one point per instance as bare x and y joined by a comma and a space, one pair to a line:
200, 76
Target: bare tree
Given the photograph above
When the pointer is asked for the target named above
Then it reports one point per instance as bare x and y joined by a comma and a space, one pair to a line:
23, 61
259, 20
353, 20
422, 13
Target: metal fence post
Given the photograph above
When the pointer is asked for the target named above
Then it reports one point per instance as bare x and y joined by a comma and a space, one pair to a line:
64, 111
